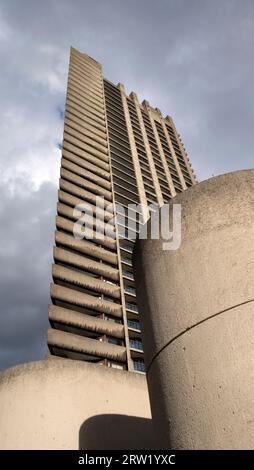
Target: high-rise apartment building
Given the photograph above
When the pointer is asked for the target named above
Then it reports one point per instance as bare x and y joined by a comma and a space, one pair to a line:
126, 153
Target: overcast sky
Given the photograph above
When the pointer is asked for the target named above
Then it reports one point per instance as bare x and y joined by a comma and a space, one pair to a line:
194, 59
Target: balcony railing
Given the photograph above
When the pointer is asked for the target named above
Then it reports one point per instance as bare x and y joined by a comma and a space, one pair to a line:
126, 261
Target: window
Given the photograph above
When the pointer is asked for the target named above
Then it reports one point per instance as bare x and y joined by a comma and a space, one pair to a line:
132, 307
115, 365
136, 344
129, 289
115, 341
128, 274
126, 260
134, 324
139, 365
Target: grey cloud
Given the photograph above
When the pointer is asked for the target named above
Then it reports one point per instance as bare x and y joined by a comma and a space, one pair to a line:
193, 59
26, 239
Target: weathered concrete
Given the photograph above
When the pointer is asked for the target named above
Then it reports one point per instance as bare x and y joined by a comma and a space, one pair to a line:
197, 314
64, 404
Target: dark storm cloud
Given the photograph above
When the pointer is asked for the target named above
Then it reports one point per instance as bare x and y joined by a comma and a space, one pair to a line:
26, 238
191, 58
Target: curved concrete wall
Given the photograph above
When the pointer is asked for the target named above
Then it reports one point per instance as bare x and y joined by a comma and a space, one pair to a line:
64, 404
197, 314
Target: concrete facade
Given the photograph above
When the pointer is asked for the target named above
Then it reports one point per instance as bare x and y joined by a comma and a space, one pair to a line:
64, 404
198, 321
128, 153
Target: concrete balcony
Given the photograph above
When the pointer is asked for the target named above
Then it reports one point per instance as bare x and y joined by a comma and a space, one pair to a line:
80, 171
83, 87
86, 155
97, 211
73, 319
87, 346
84, 113
85, 139
80, 119
68, 226
69, 137
86, 184
83, 95
85, 247
81, 299
79, 279
87, 82
81, 262
85, 195
89, 220
82, 162
83, 129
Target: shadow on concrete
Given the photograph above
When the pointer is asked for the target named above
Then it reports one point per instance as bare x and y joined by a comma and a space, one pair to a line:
112, 431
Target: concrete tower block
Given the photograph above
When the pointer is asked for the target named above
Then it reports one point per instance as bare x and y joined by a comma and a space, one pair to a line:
197, 312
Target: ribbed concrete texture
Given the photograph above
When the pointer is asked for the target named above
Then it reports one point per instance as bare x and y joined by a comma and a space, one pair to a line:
197, 314
64, 404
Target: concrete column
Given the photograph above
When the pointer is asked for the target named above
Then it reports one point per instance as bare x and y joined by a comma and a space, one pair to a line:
183, 151
160, 148
197, 312
134, 153
174, 156
149, 155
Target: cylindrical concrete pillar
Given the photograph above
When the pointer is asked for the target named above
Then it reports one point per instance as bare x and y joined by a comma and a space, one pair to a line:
197, 313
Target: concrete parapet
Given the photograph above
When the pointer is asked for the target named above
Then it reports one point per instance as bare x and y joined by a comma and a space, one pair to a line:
64, 404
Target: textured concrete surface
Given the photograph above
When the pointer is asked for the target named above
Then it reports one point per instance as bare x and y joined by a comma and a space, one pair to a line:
198, 319
64, 404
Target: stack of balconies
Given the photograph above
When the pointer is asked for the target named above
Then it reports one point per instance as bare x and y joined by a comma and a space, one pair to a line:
86, 315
